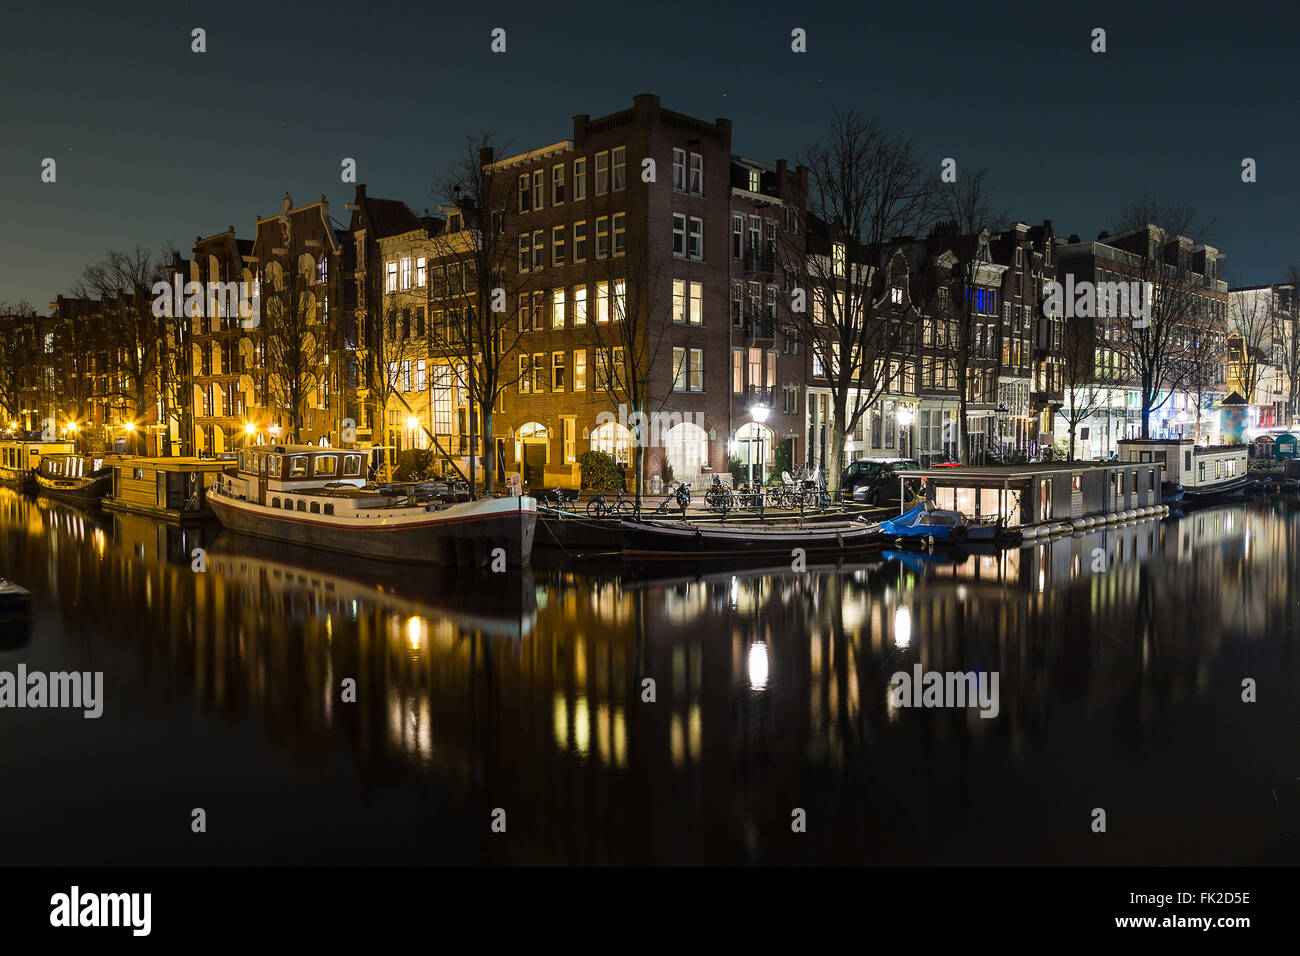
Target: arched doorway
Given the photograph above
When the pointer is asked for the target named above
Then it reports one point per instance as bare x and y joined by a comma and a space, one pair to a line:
687, 447
532, 451
756, 449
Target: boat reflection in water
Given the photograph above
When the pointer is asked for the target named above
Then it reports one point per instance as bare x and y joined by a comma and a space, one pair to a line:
1121, 655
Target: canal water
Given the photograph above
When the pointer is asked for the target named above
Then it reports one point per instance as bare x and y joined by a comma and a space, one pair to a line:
772, 736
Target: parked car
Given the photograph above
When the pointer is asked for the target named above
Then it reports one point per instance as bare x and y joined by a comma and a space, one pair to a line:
875, 480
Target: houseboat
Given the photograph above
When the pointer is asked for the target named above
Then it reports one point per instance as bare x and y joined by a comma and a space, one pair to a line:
318, 497
173, 490
79, 478
1203, 472
20, 459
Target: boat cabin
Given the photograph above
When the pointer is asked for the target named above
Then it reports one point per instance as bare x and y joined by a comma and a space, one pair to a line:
168, 488
71, 466
1020, 495
1188, 464
22, 458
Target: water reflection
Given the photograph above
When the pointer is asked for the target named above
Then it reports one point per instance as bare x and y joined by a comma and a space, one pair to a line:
619, 717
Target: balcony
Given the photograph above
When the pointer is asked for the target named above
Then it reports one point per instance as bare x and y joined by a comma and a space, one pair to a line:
756, 397
759, 260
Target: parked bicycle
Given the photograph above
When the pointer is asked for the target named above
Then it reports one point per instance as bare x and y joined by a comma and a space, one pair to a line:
719, 497
560, 498
602, 507
678, 499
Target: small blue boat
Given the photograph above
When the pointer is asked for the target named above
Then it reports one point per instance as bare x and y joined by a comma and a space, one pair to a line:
1171, 491
926, 521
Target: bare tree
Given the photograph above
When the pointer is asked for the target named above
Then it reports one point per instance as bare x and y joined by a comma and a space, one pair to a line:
866, 187
1250, 326
1088, 370
1286, 341
123, 283
632, 346
963, 270
293, 331
18, 332
480, 310
1205, 354
1158, 245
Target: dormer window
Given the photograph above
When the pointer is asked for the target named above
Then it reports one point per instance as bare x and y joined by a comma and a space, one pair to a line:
755, 180
454, 222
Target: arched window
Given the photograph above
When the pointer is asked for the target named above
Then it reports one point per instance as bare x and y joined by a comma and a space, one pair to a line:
530, 433
613, 439
687, 447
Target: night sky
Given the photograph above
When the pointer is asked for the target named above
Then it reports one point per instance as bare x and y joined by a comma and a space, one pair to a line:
156, 144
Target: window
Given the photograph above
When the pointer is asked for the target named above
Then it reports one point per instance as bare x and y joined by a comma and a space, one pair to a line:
771, 370
525, 312
679, 235
688, 370
580, 242
421, 271
579, 370
696, 184
419, 375
557, 245
570, 432
557, 371
688, 308
525, 194
602, 237
579, 305
618, 300
539, 188
298, 466
602, 172
351, 465
679, 170
737, 237
525, 259
525, 374
579, 179
620, 230
539, 248
539, 310
390, 276
896, 296
602, 302
756, 368
557, 184
406, 375
620, 168
539, 372
557, 309
695, 239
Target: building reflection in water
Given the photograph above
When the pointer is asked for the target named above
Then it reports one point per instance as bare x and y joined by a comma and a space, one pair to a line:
1120, 655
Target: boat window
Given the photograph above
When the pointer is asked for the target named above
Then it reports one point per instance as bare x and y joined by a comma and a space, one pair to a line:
1076, 482
302, 505
298, 466
273, 466
326, 465
261, 465
351, 465
137, 474
275, 502
329, 509
315, 507
288, 504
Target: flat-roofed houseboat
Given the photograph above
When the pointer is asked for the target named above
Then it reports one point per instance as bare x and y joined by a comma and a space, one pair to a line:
81, 478
20, 459
318, 497
1202, 472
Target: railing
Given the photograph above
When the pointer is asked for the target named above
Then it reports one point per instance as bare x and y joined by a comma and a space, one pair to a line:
759, 260
758, 397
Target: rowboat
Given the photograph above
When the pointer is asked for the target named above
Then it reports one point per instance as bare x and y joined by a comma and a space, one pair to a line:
677, 539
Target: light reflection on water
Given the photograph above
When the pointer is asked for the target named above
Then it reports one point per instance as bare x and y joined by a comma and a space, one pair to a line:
1121, 656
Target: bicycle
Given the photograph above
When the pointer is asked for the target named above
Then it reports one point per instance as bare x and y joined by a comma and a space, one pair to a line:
719, 497
599, 507
678, 499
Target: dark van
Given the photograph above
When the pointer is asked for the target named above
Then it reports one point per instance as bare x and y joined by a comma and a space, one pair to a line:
875, 480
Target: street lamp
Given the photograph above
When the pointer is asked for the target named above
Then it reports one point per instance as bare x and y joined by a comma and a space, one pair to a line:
905, 418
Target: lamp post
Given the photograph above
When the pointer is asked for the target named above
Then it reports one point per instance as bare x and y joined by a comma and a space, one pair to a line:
759, 414
905, 418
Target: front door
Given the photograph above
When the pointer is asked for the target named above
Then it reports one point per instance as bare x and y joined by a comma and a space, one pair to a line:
534, 463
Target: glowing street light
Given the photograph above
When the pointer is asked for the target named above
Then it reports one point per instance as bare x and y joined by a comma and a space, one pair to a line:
412, 423
760, 413
250, 429
129, 426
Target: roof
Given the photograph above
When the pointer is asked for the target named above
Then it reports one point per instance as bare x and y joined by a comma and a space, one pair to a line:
392, 217
1018, 472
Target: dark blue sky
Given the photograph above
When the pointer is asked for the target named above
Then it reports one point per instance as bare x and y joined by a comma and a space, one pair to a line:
156, 144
